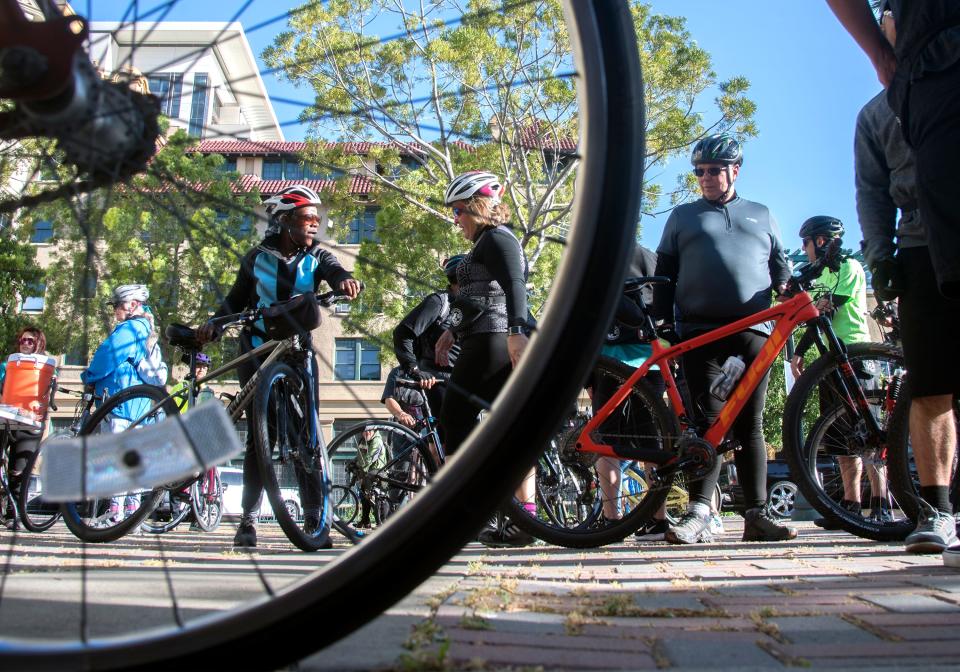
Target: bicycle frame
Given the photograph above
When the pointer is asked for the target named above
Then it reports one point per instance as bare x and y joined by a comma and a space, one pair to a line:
786, 315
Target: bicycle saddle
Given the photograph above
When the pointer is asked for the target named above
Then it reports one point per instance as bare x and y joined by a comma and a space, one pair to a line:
182, 336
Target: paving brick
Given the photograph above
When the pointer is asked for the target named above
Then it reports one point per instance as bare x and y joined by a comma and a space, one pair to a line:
716, 654
874, 650
928, 618
911, 603
820, 630
516, 656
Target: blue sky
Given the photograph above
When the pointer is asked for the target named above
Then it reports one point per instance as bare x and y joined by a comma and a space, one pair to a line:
807, 77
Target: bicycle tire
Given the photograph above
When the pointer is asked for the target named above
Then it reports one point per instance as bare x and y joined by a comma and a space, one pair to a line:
904, 481
678, 496
650, 421
345, 502
393, 485
179, 509
207, 507
310, 613
73, 512
281, 431
36, 514
813, 453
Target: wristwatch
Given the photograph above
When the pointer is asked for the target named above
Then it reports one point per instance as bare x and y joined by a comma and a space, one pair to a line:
514, 331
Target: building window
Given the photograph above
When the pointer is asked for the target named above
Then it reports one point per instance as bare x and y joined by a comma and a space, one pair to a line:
356, 359
273, 169
167, 86
33, 302
229, 165
321, 173
292, 170
363, 227
198, 107
42, 231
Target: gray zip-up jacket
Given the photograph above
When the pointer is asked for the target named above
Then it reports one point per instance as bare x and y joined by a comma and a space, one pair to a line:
725, 260
886, 182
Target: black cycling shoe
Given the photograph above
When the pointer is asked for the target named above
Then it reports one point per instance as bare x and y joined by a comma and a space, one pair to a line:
760, 526
246, 536
509, 535
831, 523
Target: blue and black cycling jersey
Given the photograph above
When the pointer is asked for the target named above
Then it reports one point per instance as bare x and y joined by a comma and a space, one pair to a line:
267, 276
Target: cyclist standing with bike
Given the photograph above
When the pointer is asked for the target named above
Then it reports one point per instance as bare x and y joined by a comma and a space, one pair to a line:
489, 318
845, 301
415, 338
725, 257
286, 263
900, 258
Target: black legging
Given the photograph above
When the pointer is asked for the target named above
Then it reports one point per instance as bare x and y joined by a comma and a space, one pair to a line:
24, 444
482, 369
700, 368
309, 484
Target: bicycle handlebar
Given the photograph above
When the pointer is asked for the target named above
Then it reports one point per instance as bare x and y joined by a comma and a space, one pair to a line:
415, 384
326, 299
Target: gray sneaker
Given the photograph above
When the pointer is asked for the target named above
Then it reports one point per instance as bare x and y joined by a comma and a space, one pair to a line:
951, 557
935, 531
691, 529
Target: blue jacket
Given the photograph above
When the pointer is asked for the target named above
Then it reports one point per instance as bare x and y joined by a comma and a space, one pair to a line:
114, 364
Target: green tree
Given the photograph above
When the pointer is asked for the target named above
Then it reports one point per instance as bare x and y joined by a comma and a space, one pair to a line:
180, 228
494, 90
19, 276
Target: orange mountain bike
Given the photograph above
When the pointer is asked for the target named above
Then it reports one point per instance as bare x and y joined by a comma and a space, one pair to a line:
635, 428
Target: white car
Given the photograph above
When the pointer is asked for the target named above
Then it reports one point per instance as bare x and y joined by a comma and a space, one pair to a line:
232, 479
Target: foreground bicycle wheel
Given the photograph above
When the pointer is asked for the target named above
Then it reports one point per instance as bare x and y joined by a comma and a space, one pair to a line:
403, 471
104, 520
290, 620
609, 508
824, 438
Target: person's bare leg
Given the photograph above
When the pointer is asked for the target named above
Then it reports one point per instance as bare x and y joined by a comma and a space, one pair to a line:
610, 476
526, 492
933, 436
851, 471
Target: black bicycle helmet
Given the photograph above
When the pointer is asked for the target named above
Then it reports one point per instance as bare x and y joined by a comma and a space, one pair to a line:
450, 267
717, 149
822, 225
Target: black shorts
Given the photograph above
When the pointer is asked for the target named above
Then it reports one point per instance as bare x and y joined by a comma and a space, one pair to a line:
930, 327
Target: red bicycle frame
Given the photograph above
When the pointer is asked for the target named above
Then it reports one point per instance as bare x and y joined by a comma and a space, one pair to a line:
787, 316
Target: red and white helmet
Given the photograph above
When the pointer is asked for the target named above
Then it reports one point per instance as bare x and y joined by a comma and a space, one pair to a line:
470, 184
291, 198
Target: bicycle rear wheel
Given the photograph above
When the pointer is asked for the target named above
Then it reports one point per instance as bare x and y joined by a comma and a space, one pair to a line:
311, 612
346, 503
282, 438
36, 514
824, 438
405, 469
609, 508
170, 511
102, 520
904, 480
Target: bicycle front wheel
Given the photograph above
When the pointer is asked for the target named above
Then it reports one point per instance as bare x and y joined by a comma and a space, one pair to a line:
37, 514
206, 501
282, 434
104, 520
841, 472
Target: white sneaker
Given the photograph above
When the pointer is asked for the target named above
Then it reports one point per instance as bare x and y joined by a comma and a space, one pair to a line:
716, 524
951, 556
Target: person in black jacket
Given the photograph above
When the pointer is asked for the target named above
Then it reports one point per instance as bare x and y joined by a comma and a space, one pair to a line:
288, 262
415, 338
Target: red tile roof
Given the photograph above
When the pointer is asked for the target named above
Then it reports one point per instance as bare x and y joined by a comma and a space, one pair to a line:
267, 147
358, 185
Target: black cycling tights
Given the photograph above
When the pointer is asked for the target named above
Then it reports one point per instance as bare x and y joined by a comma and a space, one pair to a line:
700, 368
482, 370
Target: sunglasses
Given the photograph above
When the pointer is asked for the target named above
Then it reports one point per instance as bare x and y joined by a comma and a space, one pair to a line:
310, 219
457, 212
713, 171
26, 340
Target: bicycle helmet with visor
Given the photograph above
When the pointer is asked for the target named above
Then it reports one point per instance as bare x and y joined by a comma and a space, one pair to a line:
723, 149
473, 183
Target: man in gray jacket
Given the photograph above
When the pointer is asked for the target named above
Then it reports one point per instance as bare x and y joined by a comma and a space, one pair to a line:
886, 182
726, 258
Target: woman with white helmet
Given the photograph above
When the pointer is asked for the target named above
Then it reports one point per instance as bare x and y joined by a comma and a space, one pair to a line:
488, 319
287, 262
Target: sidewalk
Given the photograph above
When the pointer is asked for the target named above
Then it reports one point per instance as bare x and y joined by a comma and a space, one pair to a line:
826, 600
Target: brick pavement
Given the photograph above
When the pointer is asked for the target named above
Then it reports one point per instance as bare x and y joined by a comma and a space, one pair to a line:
827, 600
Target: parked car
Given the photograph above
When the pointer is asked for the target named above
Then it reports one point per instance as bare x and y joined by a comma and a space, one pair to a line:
232, 479
781, 490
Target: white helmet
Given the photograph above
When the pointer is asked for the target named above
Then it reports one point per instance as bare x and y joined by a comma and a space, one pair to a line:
291, 198
125, 293
475, 182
